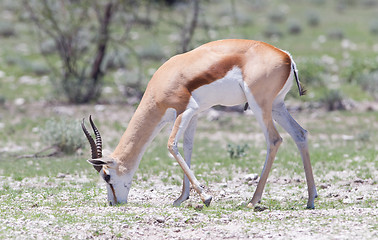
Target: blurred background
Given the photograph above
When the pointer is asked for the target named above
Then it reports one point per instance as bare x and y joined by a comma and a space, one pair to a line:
61, 60
95, 51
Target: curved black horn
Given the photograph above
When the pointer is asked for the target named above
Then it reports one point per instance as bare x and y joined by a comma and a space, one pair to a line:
90, 139
98, 138
93, 145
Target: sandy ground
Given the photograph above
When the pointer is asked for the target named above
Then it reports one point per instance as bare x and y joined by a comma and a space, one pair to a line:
149, 214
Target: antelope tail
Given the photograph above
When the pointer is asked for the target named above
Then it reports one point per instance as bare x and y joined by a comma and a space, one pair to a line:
301, 90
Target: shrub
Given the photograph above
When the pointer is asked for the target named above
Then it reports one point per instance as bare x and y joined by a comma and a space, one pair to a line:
336, 34
313, 19
77, 89
236, 151
333, 100
152, 51
7, 29
374, 27
369, 82
273, 31
37, 68
277, 16
115, 59
294, 27
65, 135
353, 72
48, 47
311, 72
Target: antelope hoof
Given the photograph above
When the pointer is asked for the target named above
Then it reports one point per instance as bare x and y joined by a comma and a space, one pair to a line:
180, 200
207, 200
250, 205
310, 206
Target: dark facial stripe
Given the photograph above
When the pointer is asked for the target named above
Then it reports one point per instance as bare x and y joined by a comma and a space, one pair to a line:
114, 195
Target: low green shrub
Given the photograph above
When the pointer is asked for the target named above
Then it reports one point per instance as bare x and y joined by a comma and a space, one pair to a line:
277, 15
333, 100
294, 27
335, 34
273, 31
151, 51
374, 26
369, 83
311, 72
236, 151
313, 19
7, 29
65, 135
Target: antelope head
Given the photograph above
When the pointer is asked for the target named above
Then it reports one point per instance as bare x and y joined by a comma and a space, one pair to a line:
118, 183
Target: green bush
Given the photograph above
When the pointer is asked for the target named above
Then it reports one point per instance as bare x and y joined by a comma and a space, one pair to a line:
311, 72
65, 135
333, 100
356, 69
48, 47
273, 31
335, 34
369, 82
37, 68
277, 16
313, 18
294, 27
115, 59
7, 29
152, 51
236, 151
374, 27
77, 89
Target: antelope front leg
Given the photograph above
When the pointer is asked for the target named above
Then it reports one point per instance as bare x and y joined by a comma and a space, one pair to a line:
181, 124
188, 147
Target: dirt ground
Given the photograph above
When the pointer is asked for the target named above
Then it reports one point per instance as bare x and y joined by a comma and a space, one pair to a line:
150, 215
342, 211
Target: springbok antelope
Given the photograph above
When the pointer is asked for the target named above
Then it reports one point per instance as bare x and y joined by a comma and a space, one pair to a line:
224, 72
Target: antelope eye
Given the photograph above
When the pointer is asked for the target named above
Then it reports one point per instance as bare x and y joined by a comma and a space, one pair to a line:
107, 178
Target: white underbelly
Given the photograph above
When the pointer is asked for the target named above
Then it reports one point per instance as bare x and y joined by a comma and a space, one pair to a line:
227, 91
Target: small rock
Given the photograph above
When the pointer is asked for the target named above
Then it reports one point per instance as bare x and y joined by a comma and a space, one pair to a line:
360, 198
324, 186
160, 219
359, 180
260, 209
251, 177
198, 207
250, 183
19, 101
61, 175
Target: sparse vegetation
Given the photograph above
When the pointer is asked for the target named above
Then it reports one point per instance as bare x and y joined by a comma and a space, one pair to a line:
334, 44
63, 134
236, 151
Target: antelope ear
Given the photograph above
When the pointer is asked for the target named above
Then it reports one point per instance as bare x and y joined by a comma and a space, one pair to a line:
100, 162
97, 162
